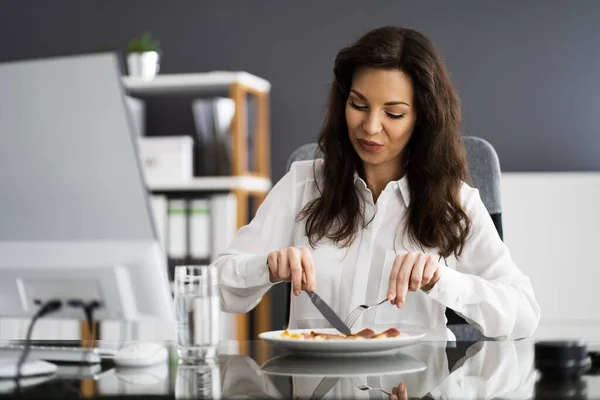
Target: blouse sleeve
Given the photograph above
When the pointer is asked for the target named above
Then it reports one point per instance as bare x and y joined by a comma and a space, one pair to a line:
244, 275
487, 288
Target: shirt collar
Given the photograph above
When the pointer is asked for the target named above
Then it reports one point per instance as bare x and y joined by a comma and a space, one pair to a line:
401, 185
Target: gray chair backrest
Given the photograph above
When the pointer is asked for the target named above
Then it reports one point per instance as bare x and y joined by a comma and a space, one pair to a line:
482, 159
484, 167
308, 151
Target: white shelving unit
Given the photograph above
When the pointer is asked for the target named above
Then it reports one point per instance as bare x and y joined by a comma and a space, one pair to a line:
243, 183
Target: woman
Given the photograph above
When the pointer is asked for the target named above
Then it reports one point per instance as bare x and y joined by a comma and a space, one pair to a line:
386, 213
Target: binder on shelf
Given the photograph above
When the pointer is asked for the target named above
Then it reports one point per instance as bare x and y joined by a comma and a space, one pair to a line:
223, 222
177, 229
212, 119
223, 112
200, 232
159, 207
251, 104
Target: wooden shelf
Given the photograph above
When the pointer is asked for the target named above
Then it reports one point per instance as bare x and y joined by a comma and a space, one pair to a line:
208, 82
242, 182
215, 183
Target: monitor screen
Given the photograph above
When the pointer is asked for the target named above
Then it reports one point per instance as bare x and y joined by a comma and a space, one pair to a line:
68, 164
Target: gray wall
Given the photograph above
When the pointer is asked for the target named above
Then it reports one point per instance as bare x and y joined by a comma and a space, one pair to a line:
527, 72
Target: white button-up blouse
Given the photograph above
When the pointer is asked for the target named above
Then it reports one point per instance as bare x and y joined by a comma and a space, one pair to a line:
483, 285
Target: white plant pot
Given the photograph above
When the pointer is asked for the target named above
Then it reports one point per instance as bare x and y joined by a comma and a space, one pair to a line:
144, 65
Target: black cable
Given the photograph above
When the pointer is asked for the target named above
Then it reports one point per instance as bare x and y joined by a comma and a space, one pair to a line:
46, 308
88, 310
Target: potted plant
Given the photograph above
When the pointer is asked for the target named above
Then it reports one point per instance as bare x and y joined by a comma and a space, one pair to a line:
143, 58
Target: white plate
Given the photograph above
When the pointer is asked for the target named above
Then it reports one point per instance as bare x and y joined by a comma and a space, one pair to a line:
293, 365
341, 347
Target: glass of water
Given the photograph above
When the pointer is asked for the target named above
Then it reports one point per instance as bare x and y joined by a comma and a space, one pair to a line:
197, 311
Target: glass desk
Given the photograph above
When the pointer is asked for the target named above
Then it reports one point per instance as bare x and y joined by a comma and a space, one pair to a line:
431, 370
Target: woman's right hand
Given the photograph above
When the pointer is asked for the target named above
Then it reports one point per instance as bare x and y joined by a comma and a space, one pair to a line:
293, 264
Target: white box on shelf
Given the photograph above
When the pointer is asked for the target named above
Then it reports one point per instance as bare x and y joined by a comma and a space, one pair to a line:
167, 158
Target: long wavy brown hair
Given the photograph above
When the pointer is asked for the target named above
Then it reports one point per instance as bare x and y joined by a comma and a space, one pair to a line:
436, 165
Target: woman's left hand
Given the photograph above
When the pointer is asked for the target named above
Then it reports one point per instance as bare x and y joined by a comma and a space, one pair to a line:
411, 271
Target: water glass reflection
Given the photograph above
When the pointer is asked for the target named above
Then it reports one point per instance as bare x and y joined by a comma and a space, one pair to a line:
198, 380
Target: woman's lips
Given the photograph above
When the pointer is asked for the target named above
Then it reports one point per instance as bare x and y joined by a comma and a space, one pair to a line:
371, 147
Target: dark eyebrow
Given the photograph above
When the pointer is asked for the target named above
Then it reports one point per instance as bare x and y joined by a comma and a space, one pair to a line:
389, 103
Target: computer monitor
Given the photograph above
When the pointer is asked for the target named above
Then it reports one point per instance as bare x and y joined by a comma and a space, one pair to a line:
75, 219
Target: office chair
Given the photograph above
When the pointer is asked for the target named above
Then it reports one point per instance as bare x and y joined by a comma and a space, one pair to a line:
484, 168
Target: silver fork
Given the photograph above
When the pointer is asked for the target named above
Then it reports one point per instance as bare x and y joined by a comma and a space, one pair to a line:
354, 314
361, 386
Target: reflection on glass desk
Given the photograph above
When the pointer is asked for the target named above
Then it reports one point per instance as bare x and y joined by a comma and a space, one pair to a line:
437, 370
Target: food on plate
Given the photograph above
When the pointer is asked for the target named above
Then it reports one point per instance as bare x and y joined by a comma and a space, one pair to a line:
361, 335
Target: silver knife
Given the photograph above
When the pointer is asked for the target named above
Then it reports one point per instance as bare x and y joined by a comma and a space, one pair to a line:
328, 313
323, 388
